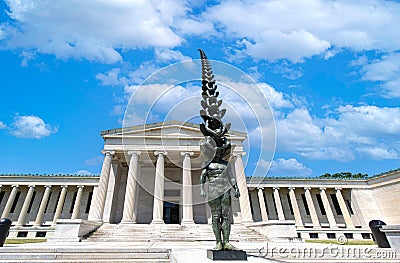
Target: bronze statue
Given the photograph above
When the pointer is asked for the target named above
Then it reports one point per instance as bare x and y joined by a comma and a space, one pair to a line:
217, 149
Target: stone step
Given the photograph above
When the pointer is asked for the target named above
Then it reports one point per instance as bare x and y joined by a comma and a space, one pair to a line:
90, 261
79, 256
83, 254
145, 233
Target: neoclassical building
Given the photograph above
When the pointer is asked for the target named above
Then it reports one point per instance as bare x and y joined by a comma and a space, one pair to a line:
150, 176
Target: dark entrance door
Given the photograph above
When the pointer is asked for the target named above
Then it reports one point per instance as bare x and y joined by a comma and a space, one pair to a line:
171, 213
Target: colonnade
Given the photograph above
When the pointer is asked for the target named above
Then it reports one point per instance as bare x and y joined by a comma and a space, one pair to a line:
27, 202
309, 203
130, 200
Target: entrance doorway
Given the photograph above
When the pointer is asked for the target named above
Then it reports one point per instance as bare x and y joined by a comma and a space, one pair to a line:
171, 213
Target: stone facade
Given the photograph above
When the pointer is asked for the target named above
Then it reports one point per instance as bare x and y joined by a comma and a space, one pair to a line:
326, 208
150, 175
35, 202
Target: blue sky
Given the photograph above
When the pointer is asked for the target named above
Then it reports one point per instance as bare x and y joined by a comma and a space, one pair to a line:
329, 69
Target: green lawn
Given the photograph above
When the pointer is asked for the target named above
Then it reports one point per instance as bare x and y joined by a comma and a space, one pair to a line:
334, 241
24, 240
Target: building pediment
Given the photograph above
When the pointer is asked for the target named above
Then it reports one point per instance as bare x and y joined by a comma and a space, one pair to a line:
172, 136
173, 129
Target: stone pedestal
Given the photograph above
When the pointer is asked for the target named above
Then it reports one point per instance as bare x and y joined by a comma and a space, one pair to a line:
226, 255
73, 230
393, 235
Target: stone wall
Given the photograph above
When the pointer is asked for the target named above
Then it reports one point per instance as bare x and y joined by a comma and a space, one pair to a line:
387, 199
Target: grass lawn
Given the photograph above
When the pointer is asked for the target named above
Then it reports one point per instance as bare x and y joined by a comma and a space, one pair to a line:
24, 240
334, 241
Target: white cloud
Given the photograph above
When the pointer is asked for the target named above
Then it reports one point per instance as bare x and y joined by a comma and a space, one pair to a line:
94, 161
139, 75
31, 127
350, 133
132, 119
275, 98
385, 71
274, 44
299, 29
159, 102
2, 125
196, 27
377, 153
2, 32
100, 30
94, 30
26, 57
83, 172
288, 72
167, 55
370, 120
288, 167
112, 78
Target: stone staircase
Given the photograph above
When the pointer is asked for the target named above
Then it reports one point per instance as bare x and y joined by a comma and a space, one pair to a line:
168, 232
117, 243
83, 254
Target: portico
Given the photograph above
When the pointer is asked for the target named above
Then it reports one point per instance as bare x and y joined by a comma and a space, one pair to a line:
148, 165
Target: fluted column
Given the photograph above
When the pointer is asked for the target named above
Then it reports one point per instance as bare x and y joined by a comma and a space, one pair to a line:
159, 189
187, 195
77, 204
10, 201
129, 215
102, 188
278, 203
137, 193
42, 206
295, 207
60, 204
311, 207
25, 206
343, 207
328, 208
263, 208
242, 185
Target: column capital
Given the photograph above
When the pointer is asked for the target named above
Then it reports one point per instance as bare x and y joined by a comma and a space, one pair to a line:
187, 153
322, 189
260, 188
108, 153
64, 186
48, 186
14, 186
80, 186
338, 189
237, 154
292, 188
31, 186
307, 188
157, 153
138, 153
275, 188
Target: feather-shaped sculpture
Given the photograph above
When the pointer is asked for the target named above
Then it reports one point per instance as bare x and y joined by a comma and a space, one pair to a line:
210, 103
211, 112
